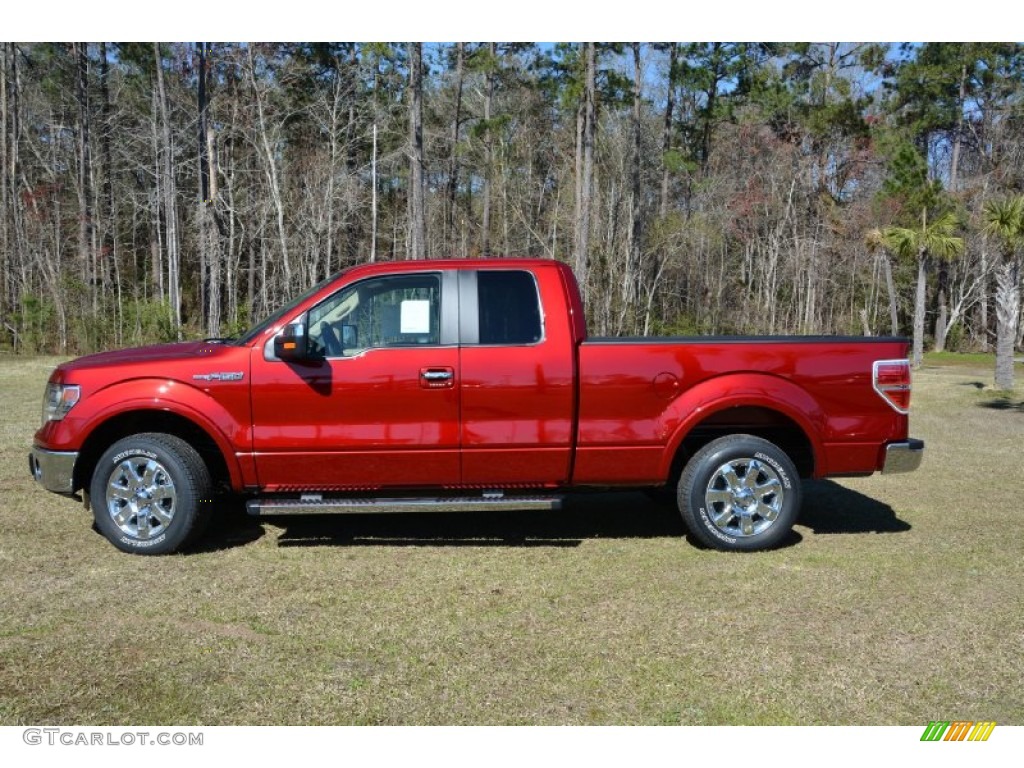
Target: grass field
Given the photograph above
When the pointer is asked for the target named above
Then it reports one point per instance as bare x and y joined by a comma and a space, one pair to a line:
899, 601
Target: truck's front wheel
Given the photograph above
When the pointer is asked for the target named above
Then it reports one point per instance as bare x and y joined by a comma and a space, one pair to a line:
150, 493
740, 493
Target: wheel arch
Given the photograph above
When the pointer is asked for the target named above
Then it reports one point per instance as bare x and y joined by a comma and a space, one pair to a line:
225, 473
761, 405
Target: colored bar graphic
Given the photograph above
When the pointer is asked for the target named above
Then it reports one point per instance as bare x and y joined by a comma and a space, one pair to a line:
958, 730
982, 731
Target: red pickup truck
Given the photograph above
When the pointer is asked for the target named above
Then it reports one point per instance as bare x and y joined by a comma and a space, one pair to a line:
465, 385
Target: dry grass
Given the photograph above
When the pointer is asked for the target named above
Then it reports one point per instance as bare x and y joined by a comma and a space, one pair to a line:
899, 602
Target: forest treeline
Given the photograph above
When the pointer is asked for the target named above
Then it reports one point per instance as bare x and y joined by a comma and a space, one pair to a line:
161, 191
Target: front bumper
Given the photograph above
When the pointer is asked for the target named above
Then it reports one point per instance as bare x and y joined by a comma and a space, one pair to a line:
54, 470
904, 456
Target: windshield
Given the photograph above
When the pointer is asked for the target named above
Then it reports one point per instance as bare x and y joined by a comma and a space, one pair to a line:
257, 330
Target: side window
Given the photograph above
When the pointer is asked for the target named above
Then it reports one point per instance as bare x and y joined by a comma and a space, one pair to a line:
509, 307
396, 311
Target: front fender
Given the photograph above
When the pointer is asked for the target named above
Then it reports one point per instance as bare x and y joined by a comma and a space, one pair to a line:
738, 390
224, 417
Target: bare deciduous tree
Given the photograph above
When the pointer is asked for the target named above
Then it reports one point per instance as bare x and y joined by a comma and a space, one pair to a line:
697, 188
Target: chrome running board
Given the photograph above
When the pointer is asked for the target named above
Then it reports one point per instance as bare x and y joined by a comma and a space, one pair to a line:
315, 504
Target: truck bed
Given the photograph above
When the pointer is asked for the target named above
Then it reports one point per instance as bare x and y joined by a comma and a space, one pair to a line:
638, 395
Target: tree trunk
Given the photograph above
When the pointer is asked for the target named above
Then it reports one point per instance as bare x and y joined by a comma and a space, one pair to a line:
169, 193
891, 289
943, 309
156, 274
212, 243
453, 161
332, 140
865, 327
417, 224
204, 167
16, 232
666, 131
586, 170
110, 243
233, 246
709, 109
632, 279
485, 222
954, 160
1019, 343
940, 322
1007, 310
919, 307
983, 301
217, 233
107, 159
272, 175
578, 172
250, 283
86, 252
353, 224
205, 225
211, 223
6, 202
373, 198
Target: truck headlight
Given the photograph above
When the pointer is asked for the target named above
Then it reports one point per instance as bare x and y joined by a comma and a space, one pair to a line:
58, 400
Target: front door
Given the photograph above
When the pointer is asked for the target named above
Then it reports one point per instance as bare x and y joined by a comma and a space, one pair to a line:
378, 407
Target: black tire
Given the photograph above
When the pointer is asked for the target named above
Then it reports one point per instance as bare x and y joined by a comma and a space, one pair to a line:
740, 493
151, 494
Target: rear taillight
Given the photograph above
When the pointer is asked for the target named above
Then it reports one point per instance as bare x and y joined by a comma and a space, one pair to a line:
891, 379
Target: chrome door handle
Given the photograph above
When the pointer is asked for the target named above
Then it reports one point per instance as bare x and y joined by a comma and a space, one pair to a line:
437, 375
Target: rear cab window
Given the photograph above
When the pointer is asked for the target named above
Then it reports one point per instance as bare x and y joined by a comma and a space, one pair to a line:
509, 307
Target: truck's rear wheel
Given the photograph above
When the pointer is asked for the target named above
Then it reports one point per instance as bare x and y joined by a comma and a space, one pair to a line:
150, 493
739, 493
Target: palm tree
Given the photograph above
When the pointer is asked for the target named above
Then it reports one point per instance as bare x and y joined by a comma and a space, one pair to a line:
1004, 219
932, 239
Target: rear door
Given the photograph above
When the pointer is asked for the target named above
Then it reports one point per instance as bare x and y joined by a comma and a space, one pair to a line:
517, 379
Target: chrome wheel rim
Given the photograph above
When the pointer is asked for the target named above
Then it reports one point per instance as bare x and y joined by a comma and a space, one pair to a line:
744, 497
141, 497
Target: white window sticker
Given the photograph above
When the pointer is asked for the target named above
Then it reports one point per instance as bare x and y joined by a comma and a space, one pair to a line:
416, 316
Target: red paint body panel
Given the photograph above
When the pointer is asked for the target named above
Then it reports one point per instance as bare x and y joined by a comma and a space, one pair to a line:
518, 402
559, 412
824, 387
359, 422
160, 378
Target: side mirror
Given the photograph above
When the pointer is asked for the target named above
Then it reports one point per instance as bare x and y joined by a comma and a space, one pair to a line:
290, 343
